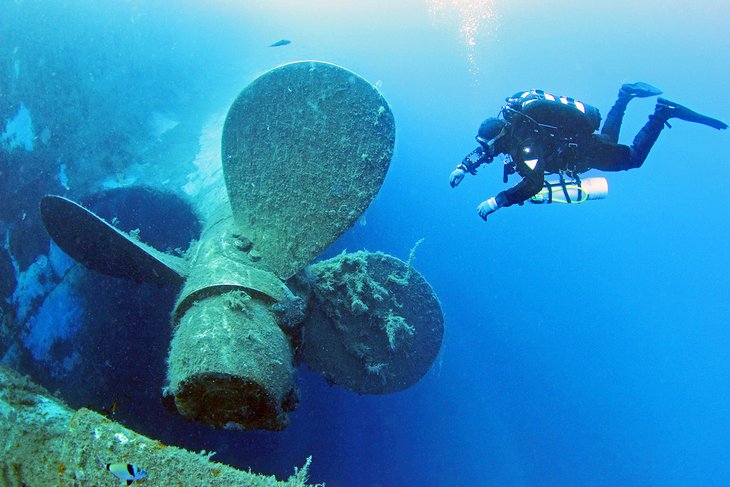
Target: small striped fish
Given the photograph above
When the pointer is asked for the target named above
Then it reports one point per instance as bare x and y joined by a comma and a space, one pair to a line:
124, 471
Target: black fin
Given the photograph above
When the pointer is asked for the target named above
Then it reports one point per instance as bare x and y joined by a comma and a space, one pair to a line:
669, 109
640, 90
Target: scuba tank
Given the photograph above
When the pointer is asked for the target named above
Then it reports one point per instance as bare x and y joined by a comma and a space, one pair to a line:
574, 190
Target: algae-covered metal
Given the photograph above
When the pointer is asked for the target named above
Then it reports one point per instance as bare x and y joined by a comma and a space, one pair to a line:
376, 326
305, 150
45, 443
102, 247
230, 363
223, 260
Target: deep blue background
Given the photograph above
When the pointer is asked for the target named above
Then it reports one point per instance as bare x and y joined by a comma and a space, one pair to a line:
584, 345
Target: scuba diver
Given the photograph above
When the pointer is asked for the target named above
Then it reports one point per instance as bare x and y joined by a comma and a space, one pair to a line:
540, 134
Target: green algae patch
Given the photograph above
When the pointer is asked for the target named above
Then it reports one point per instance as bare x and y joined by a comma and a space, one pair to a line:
397, 329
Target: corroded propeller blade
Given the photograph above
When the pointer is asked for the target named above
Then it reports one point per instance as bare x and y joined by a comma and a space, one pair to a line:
305, 149
101, 247
377, 326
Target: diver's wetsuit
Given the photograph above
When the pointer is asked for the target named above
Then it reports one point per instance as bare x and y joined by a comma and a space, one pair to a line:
594, 151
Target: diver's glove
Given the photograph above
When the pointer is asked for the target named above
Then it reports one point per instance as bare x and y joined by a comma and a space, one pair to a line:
469, 164
488, 207
457, 175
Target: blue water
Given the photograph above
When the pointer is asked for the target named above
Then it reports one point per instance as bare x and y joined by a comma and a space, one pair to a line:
584, 344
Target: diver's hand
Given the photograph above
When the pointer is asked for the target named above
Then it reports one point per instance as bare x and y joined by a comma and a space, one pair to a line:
456, 176
486, 208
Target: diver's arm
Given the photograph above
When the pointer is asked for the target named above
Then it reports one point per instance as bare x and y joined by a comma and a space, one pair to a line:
530, 185
471, 162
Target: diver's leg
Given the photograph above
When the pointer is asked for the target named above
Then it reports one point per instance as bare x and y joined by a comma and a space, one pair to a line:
612, 125
609, 156
647, 136
644, 140
627, 92
617, 159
